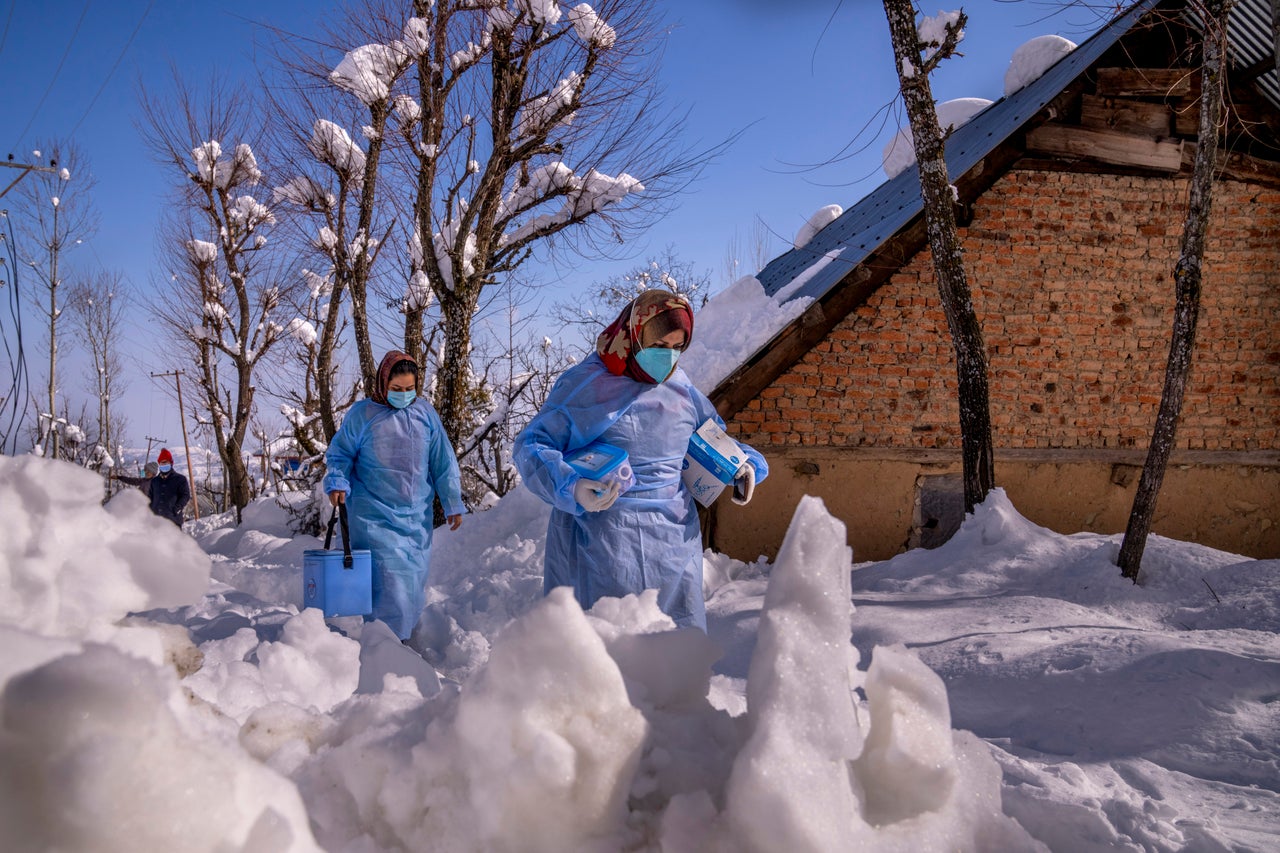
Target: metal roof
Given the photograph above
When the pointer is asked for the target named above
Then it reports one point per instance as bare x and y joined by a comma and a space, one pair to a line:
864, 227
1252, 41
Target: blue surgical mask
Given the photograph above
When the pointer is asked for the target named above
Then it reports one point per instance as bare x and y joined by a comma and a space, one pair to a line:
400, 399
166, 468
658, 362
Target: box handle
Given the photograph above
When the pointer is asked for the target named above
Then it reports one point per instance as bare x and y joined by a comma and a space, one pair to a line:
340, 513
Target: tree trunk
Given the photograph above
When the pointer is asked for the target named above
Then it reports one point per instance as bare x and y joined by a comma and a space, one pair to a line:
948, 257
451, 381
1187, 279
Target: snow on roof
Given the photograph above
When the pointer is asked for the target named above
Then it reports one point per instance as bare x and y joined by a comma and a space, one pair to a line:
1032, 59
900, 153
863, 228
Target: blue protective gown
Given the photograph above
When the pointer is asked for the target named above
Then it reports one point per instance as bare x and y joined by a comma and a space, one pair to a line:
391, 463
649, 538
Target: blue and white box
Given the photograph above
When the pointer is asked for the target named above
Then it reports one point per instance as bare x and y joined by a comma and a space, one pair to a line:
603, 462
336, 589
711, 463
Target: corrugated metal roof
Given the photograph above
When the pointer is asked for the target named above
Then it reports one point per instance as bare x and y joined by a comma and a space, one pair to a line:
863, 228
1253, 41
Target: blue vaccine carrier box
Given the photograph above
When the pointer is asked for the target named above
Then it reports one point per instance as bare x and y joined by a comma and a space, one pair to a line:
335, 589
603, 462
338, 582
712, 461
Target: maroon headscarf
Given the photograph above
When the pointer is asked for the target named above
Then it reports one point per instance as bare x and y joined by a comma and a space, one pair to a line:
378, 393
620, 341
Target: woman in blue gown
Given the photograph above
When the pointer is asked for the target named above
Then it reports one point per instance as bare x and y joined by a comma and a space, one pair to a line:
388, 461
630, 393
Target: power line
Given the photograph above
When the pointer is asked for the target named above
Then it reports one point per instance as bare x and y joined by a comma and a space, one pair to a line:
116, 65
4, 37
56, 72
13, 406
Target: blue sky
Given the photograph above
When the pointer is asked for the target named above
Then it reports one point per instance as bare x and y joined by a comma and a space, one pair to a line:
801, 79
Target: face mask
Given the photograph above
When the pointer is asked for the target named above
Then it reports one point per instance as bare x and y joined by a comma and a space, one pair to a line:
400, 399
658, 362
166, 468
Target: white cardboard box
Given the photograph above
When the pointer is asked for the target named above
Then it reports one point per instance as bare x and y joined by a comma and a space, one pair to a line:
711, 462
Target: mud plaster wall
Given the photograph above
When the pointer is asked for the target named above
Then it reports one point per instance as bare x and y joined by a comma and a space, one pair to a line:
1072, 282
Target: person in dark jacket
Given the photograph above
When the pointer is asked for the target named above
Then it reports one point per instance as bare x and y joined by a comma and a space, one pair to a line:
143, 482
168, 489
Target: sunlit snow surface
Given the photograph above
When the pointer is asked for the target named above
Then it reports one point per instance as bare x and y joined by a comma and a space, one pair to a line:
1007, 691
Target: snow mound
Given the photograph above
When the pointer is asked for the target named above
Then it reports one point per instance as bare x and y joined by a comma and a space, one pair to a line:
820, 219
808, 778
101, 751
1032, 59
69, 565
900, 153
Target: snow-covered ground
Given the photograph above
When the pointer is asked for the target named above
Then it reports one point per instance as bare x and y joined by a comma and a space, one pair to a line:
1007, 691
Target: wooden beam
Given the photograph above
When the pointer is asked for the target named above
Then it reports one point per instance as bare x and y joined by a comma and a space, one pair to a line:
1236, 114
1106, 147
1141, 118
1237, 167
1148, 82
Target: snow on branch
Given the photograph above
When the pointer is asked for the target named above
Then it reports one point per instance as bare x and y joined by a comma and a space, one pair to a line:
304, 192
302, 331
540, 11
249, 213
212, 169
332, 145
584, 195
590, 28
933, 31
201, 252
368, 72
540, 113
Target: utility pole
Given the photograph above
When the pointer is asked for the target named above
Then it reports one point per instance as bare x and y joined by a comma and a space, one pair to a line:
150, 439
26, 168
182, 416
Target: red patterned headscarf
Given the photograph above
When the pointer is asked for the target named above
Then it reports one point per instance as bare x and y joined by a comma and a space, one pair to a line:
620, 341
378, 393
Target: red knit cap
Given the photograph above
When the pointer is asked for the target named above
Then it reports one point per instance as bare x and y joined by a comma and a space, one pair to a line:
165, 456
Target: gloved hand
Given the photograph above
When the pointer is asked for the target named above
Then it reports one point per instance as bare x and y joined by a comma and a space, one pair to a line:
744, 484
594, 495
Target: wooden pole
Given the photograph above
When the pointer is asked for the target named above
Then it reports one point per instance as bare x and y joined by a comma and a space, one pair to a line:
191, 477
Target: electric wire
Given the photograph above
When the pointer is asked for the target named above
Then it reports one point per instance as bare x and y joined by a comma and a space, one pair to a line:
57, 71
13, 408
116, 65
4, 37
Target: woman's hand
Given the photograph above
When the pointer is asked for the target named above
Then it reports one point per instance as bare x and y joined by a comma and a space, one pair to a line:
337, 497
455, 521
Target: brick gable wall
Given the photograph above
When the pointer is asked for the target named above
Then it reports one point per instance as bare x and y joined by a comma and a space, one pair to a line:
1072, 282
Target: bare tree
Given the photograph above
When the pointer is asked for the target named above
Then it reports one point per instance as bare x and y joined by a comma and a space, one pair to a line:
303, 408
224, 273
513, 386
336, 186
747, 255
604, 300
916, 56
98, 310
515, 127
60, 215
1187, 284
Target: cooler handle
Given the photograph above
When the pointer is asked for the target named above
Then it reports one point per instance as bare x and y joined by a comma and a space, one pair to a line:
340, 512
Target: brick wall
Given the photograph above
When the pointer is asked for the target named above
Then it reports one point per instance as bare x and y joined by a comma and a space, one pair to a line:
1072, 282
